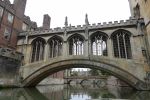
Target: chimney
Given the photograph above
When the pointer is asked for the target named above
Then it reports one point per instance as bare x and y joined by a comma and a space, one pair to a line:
46, 21
19, 6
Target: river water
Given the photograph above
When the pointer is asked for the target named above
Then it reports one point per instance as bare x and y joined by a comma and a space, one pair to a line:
74, 92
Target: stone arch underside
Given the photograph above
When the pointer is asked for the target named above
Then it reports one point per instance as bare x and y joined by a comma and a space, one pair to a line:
39, 71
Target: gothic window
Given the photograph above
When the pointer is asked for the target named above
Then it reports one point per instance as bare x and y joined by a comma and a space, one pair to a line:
38, 46
99, 44
121, 44
76, 45
55, 47
10, 18
1, 12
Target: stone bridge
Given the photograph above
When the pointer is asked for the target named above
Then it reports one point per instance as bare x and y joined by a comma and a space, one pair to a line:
101, 80
129, 71
117, 48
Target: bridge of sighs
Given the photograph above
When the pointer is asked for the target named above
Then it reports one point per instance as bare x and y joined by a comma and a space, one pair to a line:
118, 48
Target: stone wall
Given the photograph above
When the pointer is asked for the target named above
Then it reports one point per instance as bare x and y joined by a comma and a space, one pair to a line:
111, 80
143, 9
52, 81
9, 67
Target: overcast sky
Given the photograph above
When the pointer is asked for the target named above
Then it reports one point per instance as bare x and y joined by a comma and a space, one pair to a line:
98, 11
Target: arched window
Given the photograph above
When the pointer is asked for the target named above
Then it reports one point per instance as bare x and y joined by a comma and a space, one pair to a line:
55, 47
99, 44
121, 44
76, 45
38, 46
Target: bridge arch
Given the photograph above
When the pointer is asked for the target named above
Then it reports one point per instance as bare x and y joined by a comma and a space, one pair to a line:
55, 36
49, 68
122, 30
76, 34
37, 38
98, 32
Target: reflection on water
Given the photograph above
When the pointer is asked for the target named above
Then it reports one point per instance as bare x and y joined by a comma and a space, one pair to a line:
76, 92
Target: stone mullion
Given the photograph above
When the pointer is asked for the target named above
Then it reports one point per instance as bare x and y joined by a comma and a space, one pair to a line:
82, 44
53, 48
57, 44
78, 47
124, 43
40, 51
80, 51
59, 48
73, 46
101, 44
36, 47
96, 46
118, 42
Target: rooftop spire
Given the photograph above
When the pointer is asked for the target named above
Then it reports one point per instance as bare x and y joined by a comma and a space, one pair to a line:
66, 21
86, 19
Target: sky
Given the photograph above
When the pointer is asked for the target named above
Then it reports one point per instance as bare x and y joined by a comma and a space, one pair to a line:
98, 11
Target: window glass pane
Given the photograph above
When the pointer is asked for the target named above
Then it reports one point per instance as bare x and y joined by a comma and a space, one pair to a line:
10, 17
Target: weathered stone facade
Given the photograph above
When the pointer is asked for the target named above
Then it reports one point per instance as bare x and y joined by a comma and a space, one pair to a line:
120, 48
137, 40
141, 9
10, 62
49, 51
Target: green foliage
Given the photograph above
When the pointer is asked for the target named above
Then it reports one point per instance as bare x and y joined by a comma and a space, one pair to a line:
105, 73
94, 72
74, 73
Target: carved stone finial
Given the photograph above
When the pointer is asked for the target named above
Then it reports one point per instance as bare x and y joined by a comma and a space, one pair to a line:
86, 20
66, 21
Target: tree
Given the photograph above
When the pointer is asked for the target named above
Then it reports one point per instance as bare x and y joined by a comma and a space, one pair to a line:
94, 72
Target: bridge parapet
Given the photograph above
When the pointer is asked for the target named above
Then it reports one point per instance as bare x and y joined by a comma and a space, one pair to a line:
120, 23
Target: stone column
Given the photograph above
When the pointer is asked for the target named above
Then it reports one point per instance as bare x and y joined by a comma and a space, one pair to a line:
10, 62
86, 48
46, 52
28, 55
65, 49
110, 48
133, 50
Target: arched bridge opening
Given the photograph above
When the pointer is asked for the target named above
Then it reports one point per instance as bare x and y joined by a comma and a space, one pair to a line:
33, 75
